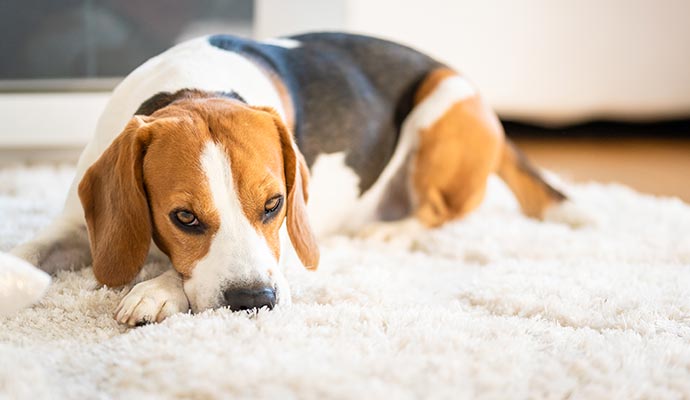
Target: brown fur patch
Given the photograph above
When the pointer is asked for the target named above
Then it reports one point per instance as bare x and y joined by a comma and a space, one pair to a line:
297, 181
252, 143
254, 138
116, 208
175, 181
459, 151
456, 154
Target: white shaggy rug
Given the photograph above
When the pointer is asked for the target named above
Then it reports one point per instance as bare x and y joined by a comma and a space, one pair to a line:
496, 306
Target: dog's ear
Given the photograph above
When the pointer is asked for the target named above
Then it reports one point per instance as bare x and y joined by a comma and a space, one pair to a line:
297, 182
116, 206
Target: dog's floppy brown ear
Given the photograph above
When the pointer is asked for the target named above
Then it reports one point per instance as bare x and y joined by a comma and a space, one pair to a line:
116, 207
299, 229
297, 182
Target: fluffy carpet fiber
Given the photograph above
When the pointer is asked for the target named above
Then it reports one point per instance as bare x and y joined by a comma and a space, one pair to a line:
495, 306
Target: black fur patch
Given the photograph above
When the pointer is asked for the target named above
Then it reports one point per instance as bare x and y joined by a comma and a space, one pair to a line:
350, 93
164, 99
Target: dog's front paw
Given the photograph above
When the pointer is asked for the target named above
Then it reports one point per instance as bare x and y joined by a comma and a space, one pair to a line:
153, 300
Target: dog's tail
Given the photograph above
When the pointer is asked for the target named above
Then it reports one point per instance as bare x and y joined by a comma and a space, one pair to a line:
531, 190
21, 284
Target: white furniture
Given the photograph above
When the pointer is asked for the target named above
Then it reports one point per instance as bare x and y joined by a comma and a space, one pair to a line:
543, 61
547, 61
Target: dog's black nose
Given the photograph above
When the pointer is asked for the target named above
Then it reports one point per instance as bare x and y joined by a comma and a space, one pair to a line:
246, 299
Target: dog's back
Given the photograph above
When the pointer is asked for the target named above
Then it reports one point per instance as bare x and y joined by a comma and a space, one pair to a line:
350, 92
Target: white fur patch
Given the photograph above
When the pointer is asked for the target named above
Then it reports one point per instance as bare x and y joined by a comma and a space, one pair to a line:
238, 255
334, 188
448, 92
153, 300
283, 42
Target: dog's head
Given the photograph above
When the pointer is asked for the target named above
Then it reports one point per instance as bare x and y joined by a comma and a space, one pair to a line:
211, 180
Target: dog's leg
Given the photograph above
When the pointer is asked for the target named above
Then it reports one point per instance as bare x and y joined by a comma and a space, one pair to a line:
64, 244
459, 143
153, 300
456, 143
457, 152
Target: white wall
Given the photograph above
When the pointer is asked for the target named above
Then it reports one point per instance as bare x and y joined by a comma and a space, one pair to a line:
280, 17
552, 61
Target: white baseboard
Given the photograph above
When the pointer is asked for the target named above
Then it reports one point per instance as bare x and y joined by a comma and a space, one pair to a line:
49, 120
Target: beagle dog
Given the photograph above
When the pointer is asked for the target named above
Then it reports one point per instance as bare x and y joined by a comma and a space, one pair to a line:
230, 156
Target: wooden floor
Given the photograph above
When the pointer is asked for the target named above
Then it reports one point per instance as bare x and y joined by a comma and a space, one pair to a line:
655, 166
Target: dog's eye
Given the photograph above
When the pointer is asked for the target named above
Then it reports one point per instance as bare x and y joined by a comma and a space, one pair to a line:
186, 221
272, 206
186, 218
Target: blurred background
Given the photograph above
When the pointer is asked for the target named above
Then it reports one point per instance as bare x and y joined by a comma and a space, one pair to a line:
593, 90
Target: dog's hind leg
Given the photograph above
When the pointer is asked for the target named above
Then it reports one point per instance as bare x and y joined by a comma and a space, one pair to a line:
459, 143
459, 147
458, 152
64, 244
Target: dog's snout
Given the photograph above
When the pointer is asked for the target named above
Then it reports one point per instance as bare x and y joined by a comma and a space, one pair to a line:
246, 299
